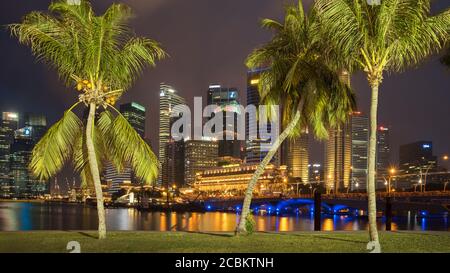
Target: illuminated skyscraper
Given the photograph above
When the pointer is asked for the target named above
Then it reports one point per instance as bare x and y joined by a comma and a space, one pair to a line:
253, 152
338, 152
23, 182
168, 99
360, 148
134, 113
9, 123
38, 124
298, 157
416, 157
199, 156
383, 150
227, 100
175, 163
338, 158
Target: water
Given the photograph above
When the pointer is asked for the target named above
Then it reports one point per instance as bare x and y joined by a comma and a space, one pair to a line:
17, 216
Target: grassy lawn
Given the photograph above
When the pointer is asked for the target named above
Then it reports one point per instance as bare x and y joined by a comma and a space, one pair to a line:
56, 241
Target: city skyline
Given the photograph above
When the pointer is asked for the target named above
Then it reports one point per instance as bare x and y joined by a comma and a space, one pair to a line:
418, 95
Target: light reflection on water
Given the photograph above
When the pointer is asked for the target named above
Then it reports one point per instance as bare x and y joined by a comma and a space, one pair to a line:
42, 216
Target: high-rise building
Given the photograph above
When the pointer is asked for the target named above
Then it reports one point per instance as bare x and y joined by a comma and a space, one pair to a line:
227, 101
199, 155
315, 172
8, 125
38, 125
359, 149
23, 181
338, 158
175, 163
416, 157
298, 157
383, 150
168, 99
253, 152
134, 113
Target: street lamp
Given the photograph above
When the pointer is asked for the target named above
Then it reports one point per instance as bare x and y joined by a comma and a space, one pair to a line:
445, 185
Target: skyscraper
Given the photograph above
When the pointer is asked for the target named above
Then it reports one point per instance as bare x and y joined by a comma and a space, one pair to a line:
253, 152
168, 99
134, 113
175, 163
360, 148
383, 150
199, 156
416, 157
38, 124
8, 125
23, 181
298, 157
227, 100
338, 158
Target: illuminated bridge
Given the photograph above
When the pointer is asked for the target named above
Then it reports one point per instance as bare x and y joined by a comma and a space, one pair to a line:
432, 202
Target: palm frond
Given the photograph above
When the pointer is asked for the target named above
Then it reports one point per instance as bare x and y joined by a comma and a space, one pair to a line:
301, 67
56, 146
126, 145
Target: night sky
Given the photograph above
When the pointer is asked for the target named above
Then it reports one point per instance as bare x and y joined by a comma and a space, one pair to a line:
208, 41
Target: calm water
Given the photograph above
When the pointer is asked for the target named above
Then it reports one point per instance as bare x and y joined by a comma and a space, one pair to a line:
42, 216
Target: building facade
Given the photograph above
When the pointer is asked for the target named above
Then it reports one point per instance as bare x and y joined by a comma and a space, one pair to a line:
168, 99
297, 157
383, 151
253, 152
175, 164
9, 124
417, 157
338, 158
359, 150
232, 180
199, 155
24, 184
227, 100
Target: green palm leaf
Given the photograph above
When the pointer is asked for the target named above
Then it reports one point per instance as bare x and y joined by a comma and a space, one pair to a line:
56, 146
124, 144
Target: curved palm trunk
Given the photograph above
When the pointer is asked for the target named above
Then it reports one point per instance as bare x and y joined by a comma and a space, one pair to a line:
260, 170
95, 172
371, 194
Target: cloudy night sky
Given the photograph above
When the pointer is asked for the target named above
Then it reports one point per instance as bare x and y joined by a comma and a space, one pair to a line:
208, 41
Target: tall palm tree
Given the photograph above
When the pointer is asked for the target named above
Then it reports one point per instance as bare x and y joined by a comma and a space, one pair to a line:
100, 57
301, 80
381, 38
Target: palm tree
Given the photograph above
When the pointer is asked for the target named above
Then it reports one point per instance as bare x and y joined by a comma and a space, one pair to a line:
381, 38
100, 57
301, 80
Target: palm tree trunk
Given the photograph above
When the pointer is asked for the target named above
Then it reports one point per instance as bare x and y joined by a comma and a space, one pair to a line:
95, 171
371, 194
260, 170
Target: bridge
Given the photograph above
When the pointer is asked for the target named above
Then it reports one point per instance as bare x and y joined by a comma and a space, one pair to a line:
432, 202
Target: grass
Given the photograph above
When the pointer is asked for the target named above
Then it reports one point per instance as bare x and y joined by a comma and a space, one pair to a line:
125, 241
